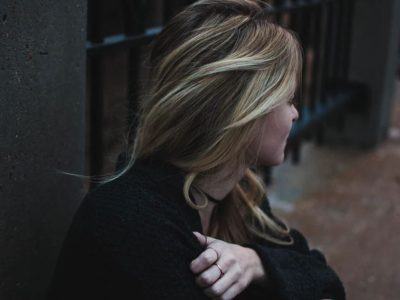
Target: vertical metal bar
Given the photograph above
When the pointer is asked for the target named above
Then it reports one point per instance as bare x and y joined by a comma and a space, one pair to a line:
133, 23
300, 25
319, 134
307, 66
95, 93
173, 7
334, 34
296, 151
133, 16
326, 48
155, 9
278, 17
321, 24
316, 63
267, 175
339, 50
348, 36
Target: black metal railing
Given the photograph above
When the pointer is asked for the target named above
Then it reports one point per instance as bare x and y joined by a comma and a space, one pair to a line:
323, 27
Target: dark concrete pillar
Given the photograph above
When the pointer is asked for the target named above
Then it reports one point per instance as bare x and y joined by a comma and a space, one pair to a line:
42, 92
374, 60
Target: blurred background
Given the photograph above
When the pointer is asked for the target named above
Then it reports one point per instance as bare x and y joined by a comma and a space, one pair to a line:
70, 74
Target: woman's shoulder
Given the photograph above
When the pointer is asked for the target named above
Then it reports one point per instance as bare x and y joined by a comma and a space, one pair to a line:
130, 205
133, 194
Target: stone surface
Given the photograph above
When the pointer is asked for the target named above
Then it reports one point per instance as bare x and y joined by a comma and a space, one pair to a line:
42, 72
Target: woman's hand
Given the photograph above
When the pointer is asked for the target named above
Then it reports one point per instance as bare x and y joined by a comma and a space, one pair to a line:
224, 270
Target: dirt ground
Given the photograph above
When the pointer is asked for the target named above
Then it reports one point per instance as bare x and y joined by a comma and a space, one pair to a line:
351, 211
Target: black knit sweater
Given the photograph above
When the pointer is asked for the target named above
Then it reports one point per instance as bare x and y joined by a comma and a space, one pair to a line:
132, 239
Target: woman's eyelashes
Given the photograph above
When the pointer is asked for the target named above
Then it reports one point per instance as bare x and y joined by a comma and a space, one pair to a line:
294, 101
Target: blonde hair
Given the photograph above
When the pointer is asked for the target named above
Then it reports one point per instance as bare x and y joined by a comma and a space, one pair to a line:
216, 68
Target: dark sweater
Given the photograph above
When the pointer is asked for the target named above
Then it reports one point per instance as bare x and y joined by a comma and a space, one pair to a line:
132, 239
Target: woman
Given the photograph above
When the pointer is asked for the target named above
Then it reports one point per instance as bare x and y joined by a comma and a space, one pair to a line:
187, 217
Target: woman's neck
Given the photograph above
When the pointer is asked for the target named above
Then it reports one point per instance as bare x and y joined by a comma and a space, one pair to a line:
217, 185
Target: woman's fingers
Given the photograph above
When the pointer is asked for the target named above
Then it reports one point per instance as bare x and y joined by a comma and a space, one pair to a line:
203, 239
223, 284
204, 260
231, 292
208, 277
236, 268
209, 256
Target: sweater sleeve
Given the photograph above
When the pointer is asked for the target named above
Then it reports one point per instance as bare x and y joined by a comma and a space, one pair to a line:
127, 246
297, 272
153, 251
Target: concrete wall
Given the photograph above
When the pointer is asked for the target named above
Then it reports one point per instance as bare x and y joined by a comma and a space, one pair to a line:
42, 78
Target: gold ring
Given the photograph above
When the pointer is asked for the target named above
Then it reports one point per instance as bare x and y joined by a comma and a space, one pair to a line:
222, 272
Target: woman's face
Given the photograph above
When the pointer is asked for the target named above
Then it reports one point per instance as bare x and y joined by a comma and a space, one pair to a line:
267, 148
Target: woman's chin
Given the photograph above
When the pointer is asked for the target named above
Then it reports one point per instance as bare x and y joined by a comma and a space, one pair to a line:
277, 163
270, 162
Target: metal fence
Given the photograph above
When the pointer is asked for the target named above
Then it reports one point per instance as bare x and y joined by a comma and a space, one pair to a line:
118, 31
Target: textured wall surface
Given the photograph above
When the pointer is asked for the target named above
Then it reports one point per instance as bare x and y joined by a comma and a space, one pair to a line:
42, 78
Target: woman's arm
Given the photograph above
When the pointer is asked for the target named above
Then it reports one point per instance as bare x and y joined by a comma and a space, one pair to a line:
271, 272
124, 248
298, 275
155, 253
285, 272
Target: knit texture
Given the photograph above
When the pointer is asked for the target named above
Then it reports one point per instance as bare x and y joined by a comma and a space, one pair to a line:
132, 239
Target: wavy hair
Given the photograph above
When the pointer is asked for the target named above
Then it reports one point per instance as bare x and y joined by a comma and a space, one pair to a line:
213, 71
